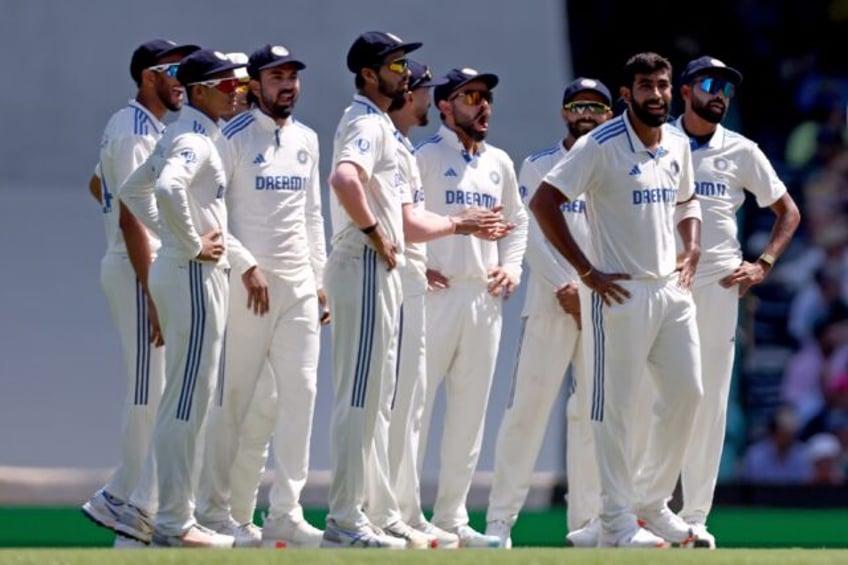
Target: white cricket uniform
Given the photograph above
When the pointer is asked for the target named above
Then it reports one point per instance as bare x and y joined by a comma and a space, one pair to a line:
631, 194
364, 298
274, 209
464, 320
128, 139
549, 343
725, 167
191, 297
408, 400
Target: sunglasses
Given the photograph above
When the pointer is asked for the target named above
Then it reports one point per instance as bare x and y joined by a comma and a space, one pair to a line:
225, 85
169, 69
398, 66
713, 86
595, 108
474, 97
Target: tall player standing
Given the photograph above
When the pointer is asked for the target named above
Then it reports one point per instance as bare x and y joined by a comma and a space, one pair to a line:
726, 165
550, 342
128, 139
636, 172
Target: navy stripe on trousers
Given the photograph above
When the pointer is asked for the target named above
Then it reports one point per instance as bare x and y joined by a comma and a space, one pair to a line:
142, 349
195, 340
598, 374
366, 327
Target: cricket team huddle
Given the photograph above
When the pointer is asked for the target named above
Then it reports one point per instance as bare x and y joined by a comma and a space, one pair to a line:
219, 283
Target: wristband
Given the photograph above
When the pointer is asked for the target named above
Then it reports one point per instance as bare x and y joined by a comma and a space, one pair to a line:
369, 229
767, 259
587, 273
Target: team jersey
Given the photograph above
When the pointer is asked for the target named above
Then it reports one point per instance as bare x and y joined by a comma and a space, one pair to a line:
631, 194
549, 270
366, 137
411, 192
725, 167
454, 180
273, 196
128, 140
186, 175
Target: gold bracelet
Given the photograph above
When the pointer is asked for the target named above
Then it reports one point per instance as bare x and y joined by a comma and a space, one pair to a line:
587, 273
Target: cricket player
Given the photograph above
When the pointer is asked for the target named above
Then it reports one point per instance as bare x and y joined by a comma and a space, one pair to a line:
726, 164
636, 173
277, 248
550, 342
469, 278
128, 139
189, 283
364, 292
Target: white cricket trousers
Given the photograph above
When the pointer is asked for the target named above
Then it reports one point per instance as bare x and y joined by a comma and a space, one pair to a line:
364, 298
463, 336
288, 339
408, 401
145, 370
191, 298
656, 328
717, 315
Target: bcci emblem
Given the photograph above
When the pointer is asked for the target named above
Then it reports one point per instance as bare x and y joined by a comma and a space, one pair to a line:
302, 157
363, 145
720, 164
675, 167
495, 177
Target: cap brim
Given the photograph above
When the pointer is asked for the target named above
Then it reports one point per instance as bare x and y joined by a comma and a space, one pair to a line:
297, 64
405, 47
431, 83
186, 49
597, 91
489, 79
728, 73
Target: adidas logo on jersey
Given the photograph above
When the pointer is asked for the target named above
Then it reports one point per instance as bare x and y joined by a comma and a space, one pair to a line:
451, 173
635, 171
260, 159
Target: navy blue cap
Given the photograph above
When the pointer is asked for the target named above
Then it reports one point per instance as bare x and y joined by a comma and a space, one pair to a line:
584, 84
709, 65
148, 54
203, 65
271, 56
421, 77
371, 47
456, 78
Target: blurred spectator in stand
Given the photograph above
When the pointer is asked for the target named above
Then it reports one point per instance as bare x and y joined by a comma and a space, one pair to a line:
827, 458
779, 458
814, 300
816, 140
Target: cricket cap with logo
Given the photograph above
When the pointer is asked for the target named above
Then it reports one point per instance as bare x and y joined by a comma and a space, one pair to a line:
712, 66
150, 52
584, 84
370, 48
271, 56
420, 76
457, 78
203, 65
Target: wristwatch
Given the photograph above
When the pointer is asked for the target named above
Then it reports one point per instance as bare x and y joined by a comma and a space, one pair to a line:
767, 259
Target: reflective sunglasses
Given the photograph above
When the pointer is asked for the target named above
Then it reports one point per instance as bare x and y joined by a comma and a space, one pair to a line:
169, 69
398, 66
474, 97
595, 108
225, 85
713, 86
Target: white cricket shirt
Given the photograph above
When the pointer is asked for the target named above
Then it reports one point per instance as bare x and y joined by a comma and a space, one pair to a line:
725, 167
630, 193
454, 180
128, 140
365, 137
273, 196
411, 193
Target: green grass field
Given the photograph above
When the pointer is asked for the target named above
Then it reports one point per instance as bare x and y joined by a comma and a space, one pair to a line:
525, 556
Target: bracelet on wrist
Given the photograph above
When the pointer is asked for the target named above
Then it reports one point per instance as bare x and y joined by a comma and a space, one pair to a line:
370, 229
767, 259
587, 273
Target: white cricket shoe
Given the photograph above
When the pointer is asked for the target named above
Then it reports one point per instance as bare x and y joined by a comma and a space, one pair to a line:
587, 536
413, 538
635, 537
286, 532
703, 538
469, 537
501, 530
135, 524
196, 536
666, 524
367, 536
246, 535
103, 509
446, 540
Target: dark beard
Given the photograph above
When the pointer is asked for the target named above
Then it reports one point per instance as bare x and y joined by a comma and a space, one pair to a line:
704, 112
277, 111
468, 129
396, 94
579, 129
648, 118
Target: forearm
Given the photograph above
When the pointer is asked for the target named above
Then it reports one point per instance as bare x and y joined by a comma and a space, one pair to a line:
545, 206
351, 194
421, 225
786, 223
690, 234
138, 245
175, 215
